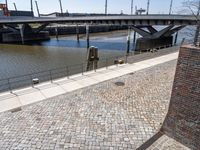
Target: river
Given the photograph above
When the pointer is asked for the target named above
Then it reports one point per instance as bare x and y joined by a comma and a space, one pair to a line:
17, 59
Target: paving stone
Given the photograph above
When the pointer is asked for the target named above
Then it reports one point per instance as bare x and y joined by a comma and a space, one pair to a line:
103, 116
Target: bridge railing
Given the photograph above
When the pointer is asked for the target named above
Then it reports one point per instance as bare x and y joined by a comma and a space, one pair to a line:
17, 82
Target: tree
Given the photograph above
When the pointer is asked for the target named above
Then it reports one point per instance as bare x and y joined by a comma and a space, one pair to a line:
193, 6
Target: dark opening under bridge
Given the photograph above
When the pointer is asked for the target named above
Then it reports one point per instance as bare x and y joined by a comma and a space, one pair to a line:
152, 38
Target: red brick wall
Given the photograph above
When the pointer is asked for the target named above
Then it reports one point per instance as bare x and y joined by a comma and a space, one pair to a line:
183, 119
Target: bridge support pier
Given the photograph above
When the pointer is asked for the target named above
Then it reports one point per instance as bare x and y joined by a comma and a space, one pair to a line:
134, 40
24, 32
77, 33
128, 42
56, 31
152, 39
1, 30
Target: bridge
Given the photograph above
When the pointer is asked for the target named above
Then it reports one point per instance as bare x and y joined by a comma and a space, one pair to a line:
151, 38
119, 20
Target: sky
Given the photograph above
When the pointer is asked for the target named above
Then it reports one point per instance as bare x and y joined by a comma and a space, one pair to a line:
96, 6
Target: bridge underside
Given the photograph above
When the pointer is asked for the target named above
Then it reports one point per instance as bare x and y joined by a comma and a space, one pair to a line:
22, 33
154, 39
151, 38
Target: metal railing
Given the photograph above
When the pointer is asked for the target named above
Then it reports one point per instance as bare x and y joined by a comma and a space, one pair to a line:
22, 81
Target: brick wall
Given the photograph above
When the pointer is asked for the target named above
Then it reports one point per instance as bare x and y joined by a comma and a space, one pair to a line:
183, 119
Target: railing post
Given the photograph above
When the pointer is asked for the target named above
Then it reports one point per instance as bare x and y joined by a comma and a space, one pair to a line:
95, 69
106, 63
51, 76
9, 85
126, 59
31, 81
82, 68
117, 62
67, 68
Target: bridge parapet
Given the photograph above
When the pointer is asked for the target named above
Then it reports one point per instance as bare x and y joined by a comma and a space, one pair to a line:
118, 19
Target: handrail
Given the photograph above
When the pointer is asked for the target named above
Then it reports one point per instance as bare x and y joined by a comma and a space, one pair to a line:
20, 81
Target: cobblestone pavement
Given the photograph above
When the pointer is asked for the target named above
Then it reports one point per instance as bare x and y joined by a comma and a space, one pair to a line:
166, 143
103, 116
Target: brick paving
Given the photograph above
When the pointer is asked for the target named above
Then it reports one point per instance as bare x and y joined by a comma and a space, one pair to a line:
103, 116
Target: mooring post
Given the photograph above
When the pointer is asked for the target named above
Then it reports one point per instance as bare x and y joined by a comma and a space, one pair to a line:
128, 42
22, 33
92, 60
56, 31
77, 32
176, 37
88, 36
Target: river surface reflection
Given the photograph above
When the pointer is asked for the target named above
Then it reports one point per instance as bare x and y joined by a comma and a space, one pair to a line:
17, 59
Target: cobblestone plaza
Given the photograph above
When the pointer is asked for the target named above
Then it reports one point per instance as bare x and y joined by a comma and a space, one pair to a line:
122, 113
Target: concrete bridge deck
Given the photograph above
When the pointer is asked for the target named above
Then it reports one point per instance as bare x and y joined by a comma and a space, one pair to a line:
120, 19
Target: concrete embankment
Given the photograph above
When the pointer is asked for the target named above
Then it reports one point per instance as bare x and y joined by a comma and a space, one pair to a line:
65, 30
8, 36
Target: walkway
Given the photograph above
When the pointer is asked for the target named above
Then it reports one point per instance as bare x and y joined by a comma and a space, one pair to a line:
124, 110
41, 92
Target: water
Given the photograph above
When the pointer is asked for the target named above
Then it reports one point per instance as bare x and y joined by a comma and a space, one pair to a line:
19, 59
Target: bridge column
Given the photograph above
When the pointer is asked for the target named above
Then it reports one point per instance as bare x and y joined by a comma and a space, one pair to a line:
134, 40
128, 42
77, 32
56, 31
151, 38
21, 27
1, 28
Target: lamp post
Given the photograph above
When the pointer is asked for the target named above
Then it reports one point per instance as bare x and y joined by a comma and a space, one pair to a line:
170, 9
31, 5
131, 7
37, 8
148, 3
106, 7
61, 9
15, 6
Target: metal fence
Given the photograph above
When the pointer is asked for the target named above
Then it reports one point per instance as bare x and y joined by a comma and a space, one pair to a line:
16, 82
22, 81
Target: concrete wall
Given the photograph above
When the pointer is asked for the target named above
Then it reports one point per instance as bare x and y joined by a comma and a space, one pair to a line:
183, 119
144, 44
82, 29
21, 13
16, 37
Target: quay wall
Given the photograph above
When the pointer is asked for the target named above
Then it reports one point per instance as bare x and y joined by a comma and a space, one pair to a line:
66, 30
